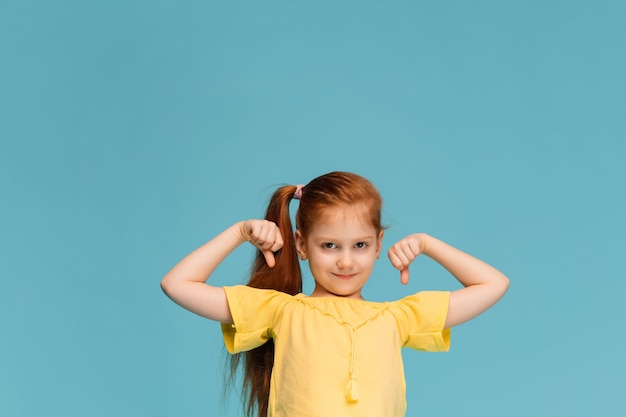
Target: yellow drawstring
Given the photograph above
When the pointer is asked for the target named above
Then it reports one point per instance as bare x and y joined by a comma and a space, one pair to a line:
351, 390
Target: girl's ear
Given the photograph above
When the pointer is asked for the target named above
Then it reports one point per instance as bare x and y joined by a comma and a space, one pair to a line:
379, 243
300, 245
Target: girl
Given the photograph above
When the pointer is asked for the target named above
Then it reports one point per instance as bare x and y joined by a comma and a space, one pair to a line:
331, 353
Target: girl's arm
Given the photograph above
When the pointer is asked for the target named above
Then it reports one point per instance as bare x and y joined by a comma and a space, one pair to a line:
484, 284
185, 283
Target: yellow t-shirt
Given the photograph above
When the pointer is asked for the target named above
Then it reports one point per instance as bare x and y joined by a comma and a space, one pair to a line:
334, 356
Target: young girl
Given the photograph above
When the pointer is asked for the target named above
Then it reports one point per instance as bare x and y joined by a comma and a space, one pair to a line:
331, 353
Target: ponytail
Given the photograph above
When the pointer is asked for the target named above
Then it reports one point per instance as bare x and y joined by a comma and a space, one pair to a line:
286, 277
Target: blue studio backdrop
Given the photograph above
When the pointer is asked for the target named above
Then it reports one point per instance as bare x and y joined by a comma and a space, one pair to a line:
131, 132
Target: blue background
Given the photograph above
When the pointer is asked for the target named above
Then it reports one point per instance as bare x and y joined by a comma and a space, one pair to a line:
133, 131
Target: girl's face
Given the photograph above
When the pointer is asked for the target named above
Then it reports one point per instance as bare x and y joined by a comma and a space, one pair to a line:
341, 248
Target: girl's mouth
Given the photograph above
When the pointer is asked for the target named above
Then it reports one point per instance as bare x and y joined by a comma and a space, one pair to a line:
345, 276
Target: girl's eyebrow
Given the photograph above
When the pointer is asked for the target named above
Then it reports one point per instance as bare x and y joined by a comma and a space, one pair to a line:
359, 239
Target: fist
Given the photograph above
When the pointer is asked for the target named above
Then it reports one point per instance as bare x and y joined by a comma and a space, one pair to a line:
403, 252
265, 236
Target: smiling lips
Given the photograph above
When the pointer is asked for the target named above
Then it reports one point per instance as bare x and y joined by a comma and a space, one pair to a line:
345, 276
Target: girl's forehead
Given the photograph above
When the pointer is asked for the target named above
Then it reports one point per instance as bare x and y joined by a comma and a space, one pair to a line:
343, 221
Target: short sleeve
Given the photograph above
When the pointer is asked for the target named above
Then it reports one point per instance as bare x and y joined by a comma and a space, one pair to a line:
421, 318
254, 313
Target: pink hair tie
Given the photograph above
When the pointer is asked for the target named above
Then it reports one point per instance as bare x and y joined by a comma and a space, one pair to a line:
298, 193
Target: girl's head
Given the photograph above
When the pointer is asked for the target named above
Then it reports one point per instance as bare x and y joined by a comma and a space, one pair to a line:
339, 231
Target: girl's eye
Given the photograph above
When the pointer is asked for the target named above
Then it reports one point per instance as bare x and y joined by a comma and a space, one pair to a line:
329, 245
360, 245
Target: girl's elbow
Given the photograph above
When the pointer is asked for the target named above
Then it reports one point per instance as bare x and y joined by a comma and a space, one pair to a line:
506, 282
503, 286
166, 286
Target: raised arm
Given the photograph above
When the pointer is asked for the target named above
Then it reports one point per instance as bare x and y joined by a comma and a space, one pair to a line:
483, 284
185, 283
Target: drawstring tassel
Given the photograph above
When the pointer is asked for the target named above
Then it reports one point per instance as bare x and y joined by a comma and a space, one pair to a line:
351, 391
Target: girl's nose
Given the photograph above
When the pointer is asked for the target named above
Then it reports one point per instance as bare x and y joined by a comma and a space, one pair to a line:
344, 261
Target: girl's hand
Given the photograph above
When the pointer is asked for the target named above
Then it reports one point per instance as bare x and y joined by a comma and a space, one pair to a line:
402, 253
265, 236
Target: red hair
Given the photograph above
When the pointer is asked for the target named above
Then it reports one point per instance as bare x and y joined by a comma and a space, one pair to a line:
336, 189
